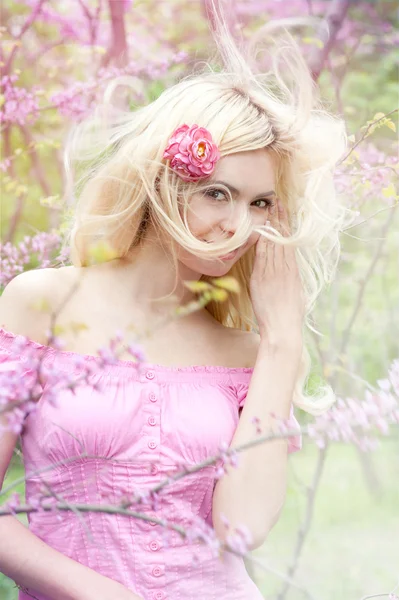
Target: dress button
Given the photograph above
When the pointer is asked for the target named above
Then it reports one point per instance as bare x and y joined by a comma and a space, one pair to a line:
152, 444
152, 420
153, 397
158, 595
150, 374
157, 571
154, 469
154, 546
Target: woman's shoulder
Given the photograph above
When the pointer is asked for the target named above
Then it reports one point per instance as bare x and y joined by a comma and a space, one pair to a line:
30, 299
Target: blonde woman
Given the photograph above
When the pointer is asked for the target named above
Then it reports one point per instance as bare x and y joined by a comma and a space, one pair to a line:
226, 173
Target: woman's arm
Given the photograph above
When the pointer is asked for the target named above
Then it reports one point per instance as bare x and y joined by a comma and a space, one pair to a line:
24, 557
33, 564
253, 493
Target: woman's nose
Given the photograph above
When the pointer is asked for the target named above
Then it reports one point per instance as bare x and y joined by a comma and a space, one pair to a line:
230, 222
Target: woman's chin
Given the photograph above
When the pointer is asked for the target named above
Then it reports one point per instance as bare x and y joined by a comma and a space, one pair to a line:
217, 268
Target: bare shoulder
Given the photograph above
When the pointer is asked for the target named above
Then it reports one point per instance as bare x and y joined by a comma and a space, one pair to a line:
28, 300
244, 346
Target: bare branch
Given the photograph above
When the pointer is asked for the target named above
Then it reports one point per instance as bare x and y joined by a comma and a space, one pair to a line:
117, 52
328, 32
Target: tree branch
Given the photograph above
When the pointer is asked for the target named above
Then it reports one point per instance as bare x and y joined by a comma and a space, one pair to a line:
117, 52
327, 33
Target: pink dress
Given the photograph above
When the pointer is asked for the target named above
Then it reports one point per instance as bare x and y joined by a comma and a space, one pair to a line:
144, 420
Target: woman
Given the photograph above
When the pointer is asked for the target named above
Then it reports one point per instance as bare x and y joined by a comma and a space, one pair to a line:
225, 173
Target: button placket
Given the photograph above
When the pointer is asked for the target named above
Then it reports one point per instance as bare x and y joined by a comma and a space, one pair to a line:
153, 441
152, 420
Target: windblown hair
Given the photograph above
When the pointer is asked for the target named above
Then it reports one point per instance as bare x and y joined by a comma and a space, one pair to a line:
127, 184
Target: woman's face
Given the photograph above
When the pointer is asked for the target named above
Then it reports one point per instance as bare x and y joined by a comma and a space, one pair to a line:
250, 176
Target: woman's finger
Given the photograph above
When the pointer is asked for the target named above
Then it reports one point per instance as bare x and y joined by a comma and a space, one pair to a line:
271, 247
270, 265
291, 250
261, 254
280, 250
283, 218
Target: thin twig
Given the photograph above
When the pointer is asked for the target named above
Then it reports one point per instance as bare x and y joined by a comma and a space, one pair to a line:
307, 521
364, 135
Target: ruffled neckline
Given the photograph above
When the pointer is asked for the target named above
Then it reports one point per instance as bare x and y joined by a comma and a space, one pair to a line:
9, 337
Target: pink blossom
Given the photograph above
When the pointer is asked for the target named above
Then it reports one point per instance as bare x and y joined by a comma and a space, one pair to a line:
5, 164
357, 421
224, 520
219, 472
240, 540
191, 152
42, 249
76, 101
136, 351
20, 105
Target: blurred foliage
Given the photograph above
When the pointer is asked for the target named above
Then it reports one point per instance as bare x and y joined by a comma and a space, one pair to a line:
367, 85
357, 91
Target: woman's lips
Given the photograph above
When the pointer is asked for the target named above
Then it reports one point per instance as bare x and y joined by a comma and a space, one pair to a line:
229, 256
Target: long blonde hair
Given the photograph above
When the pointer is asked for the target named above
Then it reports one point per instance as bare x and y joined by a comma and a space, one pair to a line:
127, 183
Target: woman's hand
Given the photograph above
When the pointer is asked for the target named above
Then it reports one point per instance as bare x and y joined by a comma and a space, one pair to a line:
276, 287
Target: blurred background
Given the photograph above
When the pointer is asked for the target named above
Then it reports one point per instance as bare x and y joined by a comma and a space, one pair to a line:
338, 536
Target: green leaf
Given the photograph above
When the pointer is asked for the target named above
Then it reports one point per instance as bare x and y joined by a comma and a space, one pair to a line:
197, 286
227, 283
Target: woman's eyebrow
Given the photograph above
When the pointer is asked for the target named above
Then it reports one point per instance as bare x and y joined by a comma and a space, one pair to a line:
234, 190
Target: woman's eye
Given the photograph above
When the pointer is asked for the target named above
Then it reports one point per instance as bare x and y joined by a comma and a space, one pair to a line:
212, 193
268, 203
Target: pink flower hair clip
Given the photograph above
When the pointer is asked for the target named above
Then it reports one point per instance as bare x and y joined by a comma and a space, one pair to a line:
192, 152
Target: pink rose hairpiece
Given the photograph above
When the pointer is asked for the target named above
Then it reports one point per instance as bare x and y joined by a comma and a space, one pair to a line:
192, 152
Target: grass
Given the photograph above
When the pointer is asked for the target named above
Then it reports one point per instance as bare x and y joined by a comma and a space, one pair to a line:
352, 548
